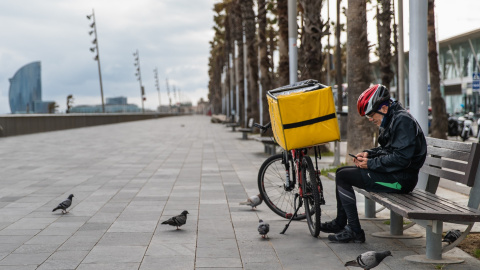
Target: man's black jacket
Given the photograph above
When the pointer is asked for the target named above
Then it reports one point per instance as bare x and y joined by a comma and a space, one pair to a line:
402, 143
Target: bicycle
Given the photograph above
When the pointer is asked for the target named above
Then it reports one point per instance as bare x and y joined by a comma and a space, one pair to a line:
288, 182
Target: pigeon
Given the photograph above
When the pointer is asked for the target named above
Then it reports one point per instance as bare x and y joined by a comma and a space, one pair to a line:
263, 228
451, 236
369, 259
64, 205
253, 201
177, 220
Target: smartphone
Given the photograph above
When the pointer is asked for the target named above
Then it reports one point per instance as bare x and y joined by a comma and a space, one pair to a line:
355, 157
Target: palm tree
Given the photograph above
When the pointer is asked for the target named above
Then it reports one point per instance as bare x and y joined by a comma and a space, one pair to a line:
237, 30
314, 28
283, 66
248, 17
266, 79
358, 75
439, 123
384, 32
216, 60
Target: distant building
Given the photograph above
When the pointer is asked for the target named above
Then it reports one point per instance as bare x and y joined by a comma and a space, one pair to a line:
113, 105
202, 107
117, 101
25, 94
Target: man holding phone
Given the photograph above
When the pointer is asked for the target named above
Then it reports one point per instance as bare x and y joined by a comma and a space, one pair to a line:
391, 167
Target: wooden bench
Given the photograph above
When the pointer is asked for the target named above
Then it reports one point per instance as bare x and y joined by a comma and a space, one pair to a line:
450, 160
269, 143
233, 125
248, 129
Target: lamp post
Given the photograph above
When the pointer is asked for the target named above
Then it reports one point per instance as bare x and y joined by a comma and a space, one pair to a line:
138, 74
168, 94
155, 73
97, 57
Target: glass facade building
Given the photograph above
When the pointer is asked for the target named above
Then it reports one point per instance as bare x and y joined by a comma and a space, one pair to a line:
25, 88
458, 60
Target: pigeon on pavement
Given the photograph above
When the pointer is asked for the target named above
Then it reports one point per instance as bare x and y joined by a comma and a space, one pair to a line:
451, 236
253, 201
177, 220
263, 228
64, 205
369, 259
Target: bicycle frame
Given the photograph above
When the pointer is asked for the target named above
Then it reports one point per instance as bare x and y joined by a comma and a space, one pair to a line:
297, 156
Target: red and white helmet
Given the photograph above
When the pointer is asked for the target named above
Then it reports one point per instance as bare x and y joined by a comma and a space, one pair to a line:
371, 99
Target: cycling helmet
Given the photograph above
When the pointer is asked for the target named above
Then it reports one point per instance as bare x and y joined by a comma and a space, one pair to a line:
371, 99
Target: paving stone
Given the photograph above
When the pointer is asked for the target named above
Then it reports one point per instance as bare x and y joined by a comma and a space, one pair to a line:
109, 254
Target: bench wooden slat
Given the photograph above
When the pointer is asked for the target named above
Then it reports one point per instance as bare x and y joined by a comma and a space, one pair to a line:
443, 163
424, 205
445, 203
448, 153
454, 176
453, 145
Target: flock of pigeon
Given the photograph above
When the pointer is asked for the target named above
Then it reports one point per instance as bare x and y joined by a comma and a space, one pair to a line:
367, 260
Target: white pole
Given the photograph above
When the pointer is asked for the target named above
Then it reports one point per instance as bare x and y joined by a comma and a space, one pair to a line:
245, 82
401, 56
260, 90
418, 68
292, 40
236, 84
232, 78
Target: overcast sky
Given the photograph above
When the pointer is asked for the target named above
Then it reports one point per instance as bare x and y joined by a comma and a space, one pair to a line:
172, 35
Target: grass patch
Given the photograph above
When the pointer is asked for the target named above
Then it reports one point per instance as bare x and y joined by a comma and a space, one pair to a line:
387, 222
328, 154
325, 171
476, 253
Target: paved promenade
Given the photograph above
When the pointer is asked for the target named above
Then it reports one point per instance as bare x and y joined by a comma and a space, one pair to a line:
127, 178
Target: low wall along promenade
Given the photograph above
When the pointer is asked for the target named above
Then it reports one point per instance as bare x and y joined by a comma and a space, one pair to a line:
18, 124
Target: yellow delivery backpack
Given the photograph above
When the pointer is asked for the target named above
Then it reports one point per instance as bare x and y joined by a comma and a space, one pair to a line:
303, 114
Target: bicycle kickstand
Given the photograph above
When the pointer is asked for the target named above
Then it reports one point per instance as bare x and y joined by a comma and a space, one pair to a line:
294, 214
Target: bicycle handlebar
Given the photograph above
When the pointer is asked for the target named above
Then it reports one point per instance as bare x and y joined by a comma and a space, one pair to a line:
263, 128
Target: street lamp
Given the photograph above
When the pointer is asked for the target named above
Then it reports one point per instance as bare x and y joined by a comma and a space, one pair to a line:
138, 74
168, 94
93, 49
155, 73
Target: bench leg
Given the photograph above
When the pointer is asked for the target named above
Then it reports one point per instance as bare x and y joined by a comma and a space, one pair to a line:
244, 135
396, 229
274, 149
369, 208
434, 247
396, 224
434, 240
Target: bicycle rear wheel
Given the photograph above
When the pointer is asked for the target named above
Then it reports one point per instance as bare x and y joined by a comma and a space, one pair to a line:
311, 196
271, 184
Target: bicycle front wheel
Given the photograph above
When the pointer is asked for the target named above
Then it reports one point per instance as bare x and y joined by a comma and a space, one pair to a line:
271, 184
311, 196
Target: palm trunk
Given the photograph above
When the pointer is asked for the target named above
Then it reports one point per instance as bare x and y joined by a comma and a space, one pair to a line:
314, 29
265, 80
384, 19
358, 76
283, 66
439, 123
248, 17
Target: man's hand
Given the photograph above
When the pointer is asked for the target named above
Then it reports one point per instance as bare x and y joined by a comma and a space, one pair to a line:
361, 160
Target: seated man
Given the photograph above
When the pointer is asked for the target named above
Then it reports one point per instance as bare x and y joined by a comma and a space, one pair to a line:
391, 167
